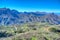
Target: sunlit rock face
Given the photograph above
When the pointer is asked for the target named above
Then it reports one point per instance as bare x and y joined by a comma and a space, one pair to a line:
12, 17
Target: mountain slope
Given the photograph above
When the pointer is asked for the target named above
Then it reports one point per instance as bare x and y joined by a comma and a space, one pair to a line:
12, 17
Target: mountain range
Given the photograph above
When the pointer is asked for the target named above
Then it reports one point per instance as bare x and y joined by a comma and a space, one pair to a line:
12, 17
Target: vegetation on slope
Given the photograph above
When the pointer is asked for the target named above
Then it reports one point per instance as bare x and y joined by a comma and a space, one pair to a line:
32, 31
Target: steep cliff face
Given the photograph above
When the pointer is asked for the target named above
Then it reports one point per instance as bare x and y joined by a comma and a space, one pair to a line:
10, 17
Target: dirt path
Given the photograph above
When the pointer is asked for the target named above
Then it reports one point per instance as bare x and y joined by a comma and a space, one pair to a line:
47, 28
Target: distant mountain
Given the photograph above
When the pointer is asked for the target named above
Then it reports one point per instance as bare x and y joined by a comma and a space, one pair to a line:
12, 17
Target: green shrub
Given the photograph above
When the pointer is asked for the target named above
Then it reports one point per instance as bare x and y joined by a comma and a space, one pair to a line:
53, 29
34, 29
33, 38
5, 34
19, 31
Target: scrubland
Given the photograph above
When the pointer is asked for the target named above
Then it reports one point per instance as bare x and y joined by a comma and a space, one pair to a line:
30, 31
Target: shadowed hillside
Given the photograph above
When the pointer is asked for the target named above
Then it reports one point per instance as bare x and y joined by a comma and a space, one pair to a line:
12, 17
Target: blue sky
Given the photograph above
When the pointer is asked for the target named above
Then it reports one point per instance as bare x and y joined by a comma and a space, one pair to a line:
32, 5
